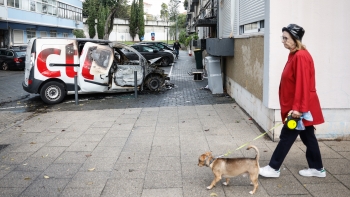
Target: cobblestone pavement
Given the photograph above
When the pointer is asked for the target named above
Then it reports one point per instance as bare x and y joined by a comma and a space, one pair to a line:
123, 148
184, 92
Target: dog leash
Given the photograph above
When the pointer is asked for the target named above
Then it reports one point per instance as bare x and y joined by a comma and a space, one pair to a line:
229, 152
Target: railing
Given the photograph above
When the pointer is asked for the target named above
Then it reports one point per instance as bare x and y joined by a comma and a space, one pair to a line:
208, 11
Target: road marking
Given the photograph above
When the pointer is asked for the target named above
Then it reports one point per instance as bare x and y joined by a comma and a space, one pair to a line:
13, 107
171, 69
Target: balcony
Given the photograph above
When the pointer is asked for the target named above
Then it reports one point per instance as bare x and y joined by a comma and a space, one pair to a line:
208, 15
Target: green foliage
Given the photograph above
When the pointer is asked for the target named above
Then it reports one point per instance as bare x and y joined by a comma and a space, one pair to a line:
182, 36
141, 20
164, 12
91, 18
195, 36
187, 41
133, 20
100, 10
173, 9
101, 20
79, 33
185, 4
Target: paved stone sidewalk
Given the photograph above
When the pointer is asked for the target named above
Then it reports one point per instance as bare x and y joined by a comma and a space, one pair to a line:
150, 149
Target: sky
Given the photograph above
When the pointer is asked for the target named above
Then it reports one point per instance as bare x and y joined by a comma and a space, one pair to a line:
156, 6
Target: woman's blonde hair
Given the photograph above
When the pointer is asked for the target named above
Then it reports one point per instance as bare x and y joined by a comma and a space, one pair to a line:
298, 46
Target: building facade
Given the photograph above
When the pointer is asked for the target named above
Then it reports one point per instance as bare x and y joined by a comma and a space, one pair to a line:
121, 33
21, 20
252, 70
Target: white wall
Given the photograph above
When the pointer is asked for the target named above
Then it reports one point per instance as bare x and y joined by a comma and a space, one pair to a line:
326, 27
121, 33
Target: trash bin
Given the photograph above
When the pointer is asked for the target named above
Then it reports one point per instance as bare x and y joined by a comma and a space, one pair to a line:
212, 65
198, 56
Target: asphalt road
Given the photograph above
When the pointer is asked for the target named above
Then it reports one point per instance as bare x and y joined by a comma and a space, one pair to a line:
17, 105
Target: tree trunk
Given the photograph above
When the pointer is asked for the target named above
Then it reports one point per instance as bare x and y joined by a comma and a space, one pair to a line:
109, 21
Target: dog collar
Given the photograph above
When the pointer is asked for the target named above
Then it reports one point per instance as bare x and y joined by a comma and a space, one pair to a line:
209, 162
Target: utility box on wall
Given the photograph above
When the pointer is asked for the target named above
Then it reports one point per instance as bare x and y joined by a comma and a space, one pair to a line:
220, 47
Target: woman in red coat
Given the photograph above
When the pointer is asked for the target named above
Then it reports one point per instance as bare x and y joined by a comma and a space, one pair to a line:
297, 95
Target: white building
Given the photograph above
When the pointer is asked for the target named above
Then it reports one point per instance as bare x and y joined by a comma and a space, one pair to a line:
252, 73
121, 33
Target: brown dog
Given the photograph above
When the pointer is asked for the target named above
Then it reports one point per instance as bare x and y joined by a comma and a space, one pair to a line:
231, 167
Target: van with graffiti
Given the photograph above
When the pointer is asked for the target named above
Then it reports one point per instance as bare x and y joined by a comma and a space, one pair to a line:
100, 66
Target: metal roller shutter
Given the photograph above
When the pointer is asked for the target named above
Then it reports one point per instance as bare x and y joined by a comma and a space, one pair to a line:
251, 11
225, 6
17, 36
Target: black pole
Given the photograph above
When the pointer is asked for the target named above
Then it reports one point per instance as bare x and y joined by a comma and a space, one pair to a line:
135, 83
76, 89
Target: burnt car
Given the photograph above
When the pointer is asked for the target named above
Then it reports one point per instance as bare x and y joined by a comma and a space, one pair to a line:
55, 66
150, 52
12, 59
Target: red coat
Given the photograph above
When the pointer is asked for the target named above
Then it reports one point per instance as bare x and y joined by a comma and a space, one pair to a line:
297, 89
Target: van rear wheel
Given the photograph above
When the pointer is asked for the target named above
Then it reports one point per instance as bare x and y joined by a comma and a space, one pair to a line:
52, 92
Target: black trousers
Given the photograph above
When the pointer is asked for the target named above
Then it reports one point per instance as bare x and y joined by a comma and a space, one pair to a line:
287, 138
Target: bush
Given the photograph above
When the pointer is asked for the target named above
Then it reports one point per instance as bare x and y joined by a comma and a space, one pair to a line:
79, 33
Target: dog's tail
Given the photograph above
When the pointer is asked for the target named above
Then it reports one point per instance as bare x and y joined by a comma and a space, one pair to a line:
257, 152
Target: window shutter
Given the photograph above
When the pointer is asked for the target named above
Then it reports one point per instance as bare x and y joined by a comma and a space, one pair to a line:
225, 6
43, 34
17, 36
251, 11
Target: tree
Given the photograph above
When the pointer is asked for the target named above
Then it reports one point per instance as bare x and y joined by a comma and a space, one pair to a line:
133, 20
101, 20
91, 18
141, 20
111, 9
164, 12
79, 33
173, 9
182, 37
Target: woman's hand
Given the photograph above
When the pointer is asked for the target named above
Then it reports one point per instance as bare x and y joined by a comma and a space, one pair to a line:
296, 114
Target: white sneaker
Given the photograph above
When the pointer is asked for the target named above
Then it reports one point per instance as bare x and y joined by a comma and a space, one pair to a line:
313, 172
267, 171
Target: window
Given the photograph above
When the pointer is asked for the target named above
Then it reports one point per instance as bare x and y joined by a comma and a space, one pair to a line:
31, 33
17, 36
53, 33
43, 34
252, 27
1, 2
32, 5
65, 35
9, 53
25, 4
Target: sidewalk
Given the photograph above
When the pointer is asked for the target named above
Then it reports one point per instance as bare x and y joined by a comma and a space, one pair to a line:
152, 152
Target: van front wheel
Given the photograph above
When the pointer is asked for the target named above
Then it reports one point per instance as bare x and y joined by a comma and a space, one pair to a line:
52, 92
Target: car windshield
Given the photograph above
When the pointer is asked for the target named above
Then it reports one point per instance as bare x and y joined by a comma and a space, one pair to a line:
147, 49
20, 53
160, 46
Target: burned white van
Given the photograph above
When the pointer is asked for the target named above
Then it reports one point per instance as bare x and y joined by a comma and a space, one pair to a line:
100, 66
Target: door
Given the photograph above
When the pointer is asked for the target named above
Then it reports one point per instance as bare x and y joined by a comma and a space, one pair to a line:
95, 63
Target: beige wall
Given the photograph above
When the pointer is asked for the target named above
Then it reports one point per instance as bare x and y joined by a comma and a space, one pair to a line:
247, 66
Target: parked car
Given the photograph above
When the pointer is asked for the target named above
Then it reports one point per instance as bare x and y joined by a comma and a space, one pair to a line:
100, 67
149, 53
11, 59
162, 45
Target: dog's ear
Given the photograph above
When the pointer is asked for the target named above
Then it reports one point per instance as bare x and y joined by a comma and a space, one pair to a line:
208, 154
202, 157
